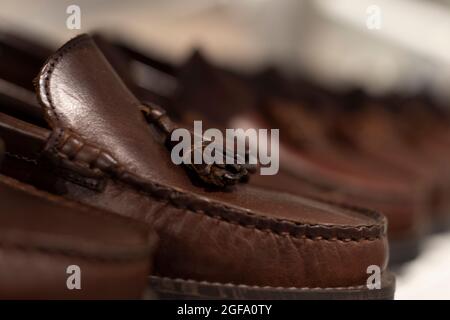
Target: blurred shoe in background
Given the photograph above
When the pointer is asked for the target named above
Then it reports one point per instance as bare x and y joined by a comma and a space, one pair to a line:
96, 146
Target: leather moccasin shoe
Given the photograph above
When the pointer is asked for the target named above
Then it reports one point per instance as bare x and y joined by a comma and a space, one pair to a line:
322, 172
236, 241
221, 99
52, 248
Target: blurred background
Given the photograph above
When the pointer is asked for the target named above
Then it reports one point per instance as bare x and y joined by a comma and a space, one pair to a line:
330, 40
337, 43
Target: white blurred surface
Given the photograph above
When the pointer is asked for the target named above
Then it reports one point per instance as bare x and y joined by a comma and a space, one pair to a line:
427, 277
328, 39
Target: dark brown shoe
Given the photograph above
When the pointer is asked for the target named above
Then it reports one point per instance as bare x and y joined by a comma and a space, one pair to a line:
309, 164
232, 242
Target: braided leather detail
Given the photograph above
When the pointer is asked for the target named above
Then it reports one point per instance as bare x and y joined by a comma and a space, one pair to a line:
218, 175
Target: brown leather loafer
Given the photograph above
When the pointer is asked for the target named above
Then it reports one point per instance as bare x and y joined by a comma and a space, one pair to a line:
323, 173
327, 174
45, 239
232, 242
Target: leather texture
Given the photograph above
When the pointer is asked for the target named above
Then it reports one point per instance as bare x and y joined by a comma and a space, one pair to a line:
114, 159
41, 235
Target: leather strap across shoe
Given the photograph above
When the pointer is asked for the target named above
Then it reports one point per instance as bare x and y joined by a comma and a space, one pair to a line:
52, 248
233, 242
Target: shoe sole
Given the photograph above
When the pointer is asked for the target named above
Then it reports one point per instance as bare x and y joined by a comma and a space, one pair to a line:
167, 288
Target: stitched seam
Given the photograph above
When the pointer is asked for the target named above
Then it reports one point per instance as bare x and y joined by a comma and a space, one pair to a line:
288, 234
52, 64
215, 216
358, 209
207, 211
194, 282
21, 157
